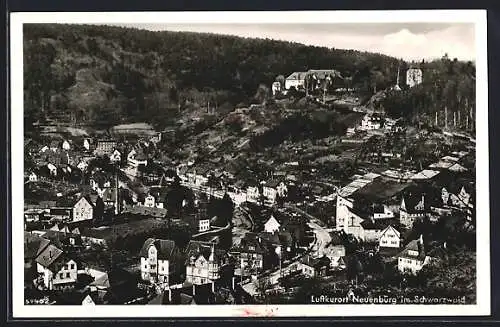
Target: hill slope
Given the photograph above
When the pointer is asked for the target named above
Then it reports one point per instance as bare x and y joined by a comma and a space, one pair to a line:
100, 73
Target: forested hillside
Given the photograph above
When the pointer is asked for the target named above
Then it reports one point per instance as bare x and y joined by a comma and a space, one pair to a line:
103, 72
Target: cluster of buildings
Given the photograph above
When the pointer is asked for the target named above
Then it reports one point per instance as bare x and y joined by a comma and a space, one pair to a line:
298, 80
381, 209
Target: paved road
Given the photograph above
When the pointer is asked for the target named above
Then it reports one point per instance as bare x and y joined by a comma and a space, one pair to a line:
321, 240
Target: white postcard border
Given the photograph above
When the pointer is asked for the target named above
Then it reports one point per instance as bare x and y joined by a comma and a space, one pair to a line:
20, 310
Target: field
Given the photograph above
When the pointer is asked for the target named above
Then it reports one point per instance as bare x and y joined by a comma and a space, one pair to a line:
134, 128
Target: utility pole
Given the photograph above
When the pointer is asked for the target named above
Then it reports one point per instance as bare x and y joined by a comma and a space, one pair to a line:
445, 117
454, 119
436, 119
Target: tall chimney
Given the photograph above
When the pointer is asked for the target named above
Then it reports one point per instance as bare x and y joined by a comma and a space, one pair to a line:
213, 287
169, 295
194, 289
233, 280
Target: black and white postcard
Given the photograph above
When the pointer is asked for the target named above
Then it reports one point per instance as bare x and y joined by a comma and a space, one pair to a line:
323, 163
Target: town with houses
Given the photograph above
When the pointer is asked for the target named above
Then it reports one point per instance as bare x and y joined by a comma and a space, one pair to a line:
117, 218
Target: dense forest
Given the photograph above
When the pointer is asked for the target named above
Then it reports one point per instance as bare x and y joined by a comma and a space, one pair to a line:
94, 73
102, 72
447, 93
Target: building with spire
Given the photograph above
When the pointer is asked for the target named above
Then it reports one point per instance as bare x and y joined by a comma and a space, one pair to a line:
413, 257
397, 87
203, 263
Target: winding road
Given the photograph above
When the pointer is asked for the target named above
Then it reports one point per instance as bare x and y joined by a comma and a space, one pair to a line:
321, 240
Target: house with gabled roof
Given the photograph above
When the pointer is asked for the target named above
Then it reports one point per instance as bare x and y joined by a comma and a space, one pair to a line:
313, 267
159, 260
272, 225
296, 80
83, 209
413, 257
412, 208
203, 263
390, 237
33, 246
115, 156
334, 250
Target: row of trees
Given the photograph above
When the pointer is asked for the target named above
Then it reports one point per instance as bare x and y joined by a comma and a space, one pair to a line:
446, 93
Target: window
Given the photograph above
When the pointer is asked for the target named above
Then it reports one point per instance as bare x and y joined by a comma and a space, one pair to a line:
72, 266
61, 276
67, 275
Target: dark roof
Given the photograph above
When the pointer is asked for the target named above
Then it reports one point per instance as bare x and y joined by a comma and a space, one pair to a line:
376, 224
197, 248
116, 277
49, 256
285, 238
297, 75
165, 248
316, 263
336, 239
414, 245
57, 236
250, 244
34, 245
273, 183
380, 189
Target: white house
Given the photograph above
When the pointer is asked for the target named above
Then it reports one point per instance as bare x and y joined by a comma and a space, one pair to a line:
32, 177
137, 159
203, 264
83, 209
461, 200
296, 80
253, 193
158, 260
371, 122
390, 238
44, 149
314, 267
150, 202
56, 271
276, 88
52, 169
115, 157
413, 257
66, 145
272, 225
86, 144
335, 251
413, 77
345, 199
270, 193
203, 225
82, 165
